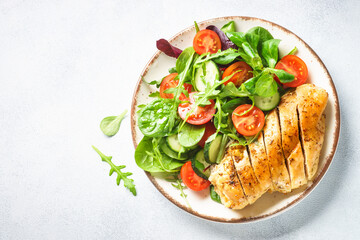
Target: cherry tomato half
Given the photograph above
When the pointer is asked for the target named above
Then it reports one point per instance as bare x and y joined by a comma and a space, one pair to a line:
209, 130
191, 180
250, 123
200, 115
206, 41
293, 65
239, 77
169, 82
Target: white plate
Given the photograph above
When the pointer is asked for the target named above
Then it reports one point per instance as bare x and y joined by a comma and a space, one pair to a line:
269, 204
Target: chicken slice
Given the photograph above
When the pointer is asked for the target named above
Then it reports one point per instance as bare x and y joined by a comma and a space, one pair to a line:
227, 185
312, 101
259, 162
252, 188
290, 139
279, 173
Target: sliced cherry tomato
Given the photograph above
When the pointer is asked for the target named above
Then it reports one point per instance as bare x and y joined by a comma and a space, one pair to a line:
209, 130
206, 41
200, 115
169, 82
296, 66
191, 180
250, 123
239, 77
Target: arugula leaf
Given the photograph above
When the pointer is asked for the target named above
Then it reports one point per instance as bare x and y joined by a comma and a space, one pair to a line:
154, 82
230, 90
294, 50
229, 27
283, 76
190, 135
270, 51
128, 183
149, 158
196, 26
181, 187
214, 196
110, 125
265, 86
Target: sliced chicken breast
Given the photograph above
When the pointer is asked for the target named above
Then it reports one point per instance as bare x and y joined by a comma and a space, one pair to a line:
312, 101
290, 139
252, 188
259, 162
227, 185
278, 170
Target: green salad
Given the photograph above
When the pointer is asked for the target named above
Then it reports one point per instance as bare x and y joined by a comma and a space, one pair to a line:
218, 93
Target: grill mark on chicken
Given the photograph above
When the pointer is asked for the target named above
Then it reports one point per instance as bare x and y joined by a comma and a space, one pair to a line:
279, 172
289, 127
259, 162
227, 185
312, 101
252, 189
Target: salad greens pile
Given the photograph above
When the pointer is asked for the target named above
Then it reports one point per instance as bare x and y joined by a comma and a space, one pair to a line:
169, 140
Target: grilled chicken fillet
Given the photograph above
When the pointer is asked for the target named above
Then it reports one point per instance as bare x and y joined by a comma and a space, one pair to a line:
284, 157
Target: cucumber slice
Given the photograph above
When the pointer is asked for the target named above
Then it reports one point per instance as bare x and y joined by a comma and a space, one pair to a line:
211, 74
173, 143
200, 166
267, 103
165, 148
212, 149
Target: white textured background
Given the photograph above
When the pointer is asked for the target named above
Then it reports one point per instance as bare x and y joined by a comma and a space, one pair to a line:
64, 65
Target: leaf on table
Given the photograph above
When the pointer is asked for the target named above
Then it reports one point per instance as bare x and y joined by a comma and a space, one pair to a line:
128, 183
111, 125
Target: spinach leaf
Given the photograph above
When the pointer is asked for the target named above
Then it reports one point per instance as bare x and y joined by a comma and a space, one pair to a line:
250, 84
227, 58
283, 76
183, 58
110, 125
230, 90
270, 51
229, 27
190, 135
263, 35
230, 106
214, 196
253, 40
221, 57
149, 158
265, 86
153, 120
236, 37
128, 183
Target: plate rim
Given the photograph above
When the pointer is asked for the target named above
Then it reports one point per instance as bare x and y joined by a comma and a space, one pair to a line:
306, 192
